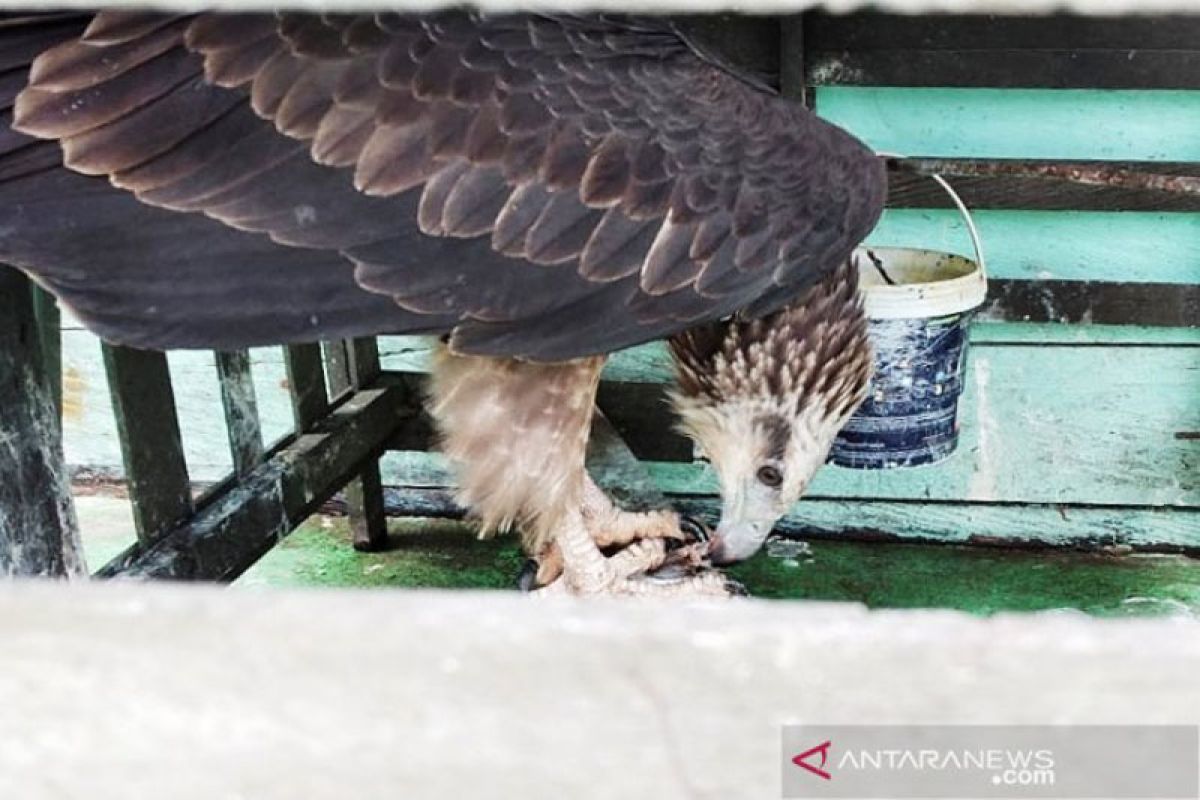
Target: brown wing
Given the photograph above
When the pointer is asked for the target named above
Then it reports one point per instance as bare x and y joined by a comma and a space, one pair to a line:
543, 187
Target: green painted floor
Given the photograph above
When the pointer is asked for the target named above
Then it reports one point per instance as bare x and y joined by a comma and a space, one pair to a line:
982, 580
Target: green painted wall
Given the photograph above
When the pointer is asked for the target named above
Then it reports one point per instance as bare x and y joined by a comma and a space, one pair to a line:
1020, 123
1122, 247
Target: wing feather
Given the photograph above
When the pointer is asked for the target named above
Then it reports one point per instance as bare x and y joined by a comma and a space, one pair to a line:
440, 154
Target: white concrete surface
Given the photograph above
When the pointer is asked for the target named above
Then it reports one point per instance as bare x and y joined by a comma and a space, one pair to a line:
138, 691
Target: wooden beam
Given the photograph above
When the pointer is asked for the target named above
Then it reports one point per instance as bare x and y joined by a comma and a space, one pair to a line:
1070, 186
241, 410
1059, 52
748, 41
351, 364
1094, 302
1035, 525
143, 402
306, 384
417, 430
1094, 528
364, 361
38, 532
364, 504
618, 471
1009, 68
642, 418
354, 364
246, 519
875, 30
49, 318
634, 424
792, 80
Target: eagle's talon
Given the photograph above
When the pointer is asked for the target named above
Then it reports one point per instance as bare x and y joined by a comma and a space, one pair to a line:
705, 583
647, 569
639, 558
527, 578
694, 529
693, 556
736, 588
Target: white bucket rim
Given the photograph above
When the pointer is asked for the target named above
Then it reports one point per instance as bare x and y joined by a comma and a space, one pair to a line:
921, 299
938, 298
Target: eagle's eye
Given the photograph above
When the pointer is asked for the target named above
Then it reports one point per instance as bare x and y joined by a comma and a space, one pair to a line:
770, 476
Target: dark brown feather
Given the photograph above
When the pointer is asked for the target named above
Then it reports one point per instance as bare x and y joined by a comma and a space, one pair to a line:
448, 128
57, 114
668, 266
235, 66
561, 231
471, 87
357, 86
475, 202
311, 36
756, 252
519, 214
521, 115
398, 107
523, 157
273, 80
213, 32
147, 132
393, 161
750, 212
76, 65
396, 66
607, 175
118, 27
307, 101
433, 198
712, 233
363, 35
435, 75
486, 143
565, 160
221, 138
648, 163
618, 247
646, 200
341, 136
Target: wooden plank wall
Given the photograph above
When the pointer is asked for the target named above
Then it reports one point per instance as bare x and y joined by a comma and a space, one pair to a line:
1084, 426
1082, 406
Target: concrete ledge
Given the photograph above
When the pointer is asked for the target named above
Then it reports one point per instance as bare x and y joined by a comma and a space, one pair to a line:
129, 691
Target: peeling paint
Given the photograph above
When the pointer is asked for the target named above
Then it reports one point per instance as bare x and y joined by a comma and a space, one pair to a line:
75, 393
39, 534
983, 482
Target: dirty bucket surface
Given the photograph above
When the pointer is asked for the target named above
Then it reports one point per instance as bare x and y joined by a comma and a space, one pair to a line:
910, 416
919, 305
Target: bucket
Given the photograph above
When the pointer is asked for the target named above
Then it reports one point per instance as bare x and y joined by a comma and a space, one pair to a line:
919, 305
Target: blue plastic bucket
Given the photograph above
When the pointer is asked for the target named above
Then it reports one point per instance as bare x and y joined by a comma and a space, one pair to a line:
919, 304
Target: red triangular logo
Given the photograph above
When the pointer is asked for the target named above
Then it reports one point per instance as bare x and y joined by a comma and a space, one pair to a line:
817, 770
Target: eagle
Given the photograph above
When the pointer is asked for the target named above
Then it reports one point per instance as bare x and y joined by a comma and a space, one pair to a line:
536, 191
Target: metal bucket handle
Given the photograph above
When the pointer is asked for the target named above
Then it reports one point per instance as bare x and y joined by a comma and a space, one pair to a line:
972, 231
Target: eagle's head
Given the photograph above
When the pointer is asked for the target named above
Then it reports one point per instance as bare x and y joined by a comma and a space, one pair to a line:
764, 398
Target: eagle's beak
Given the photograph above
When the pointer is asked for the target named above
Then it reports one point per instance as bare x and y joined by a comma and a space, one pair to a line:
737, 539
